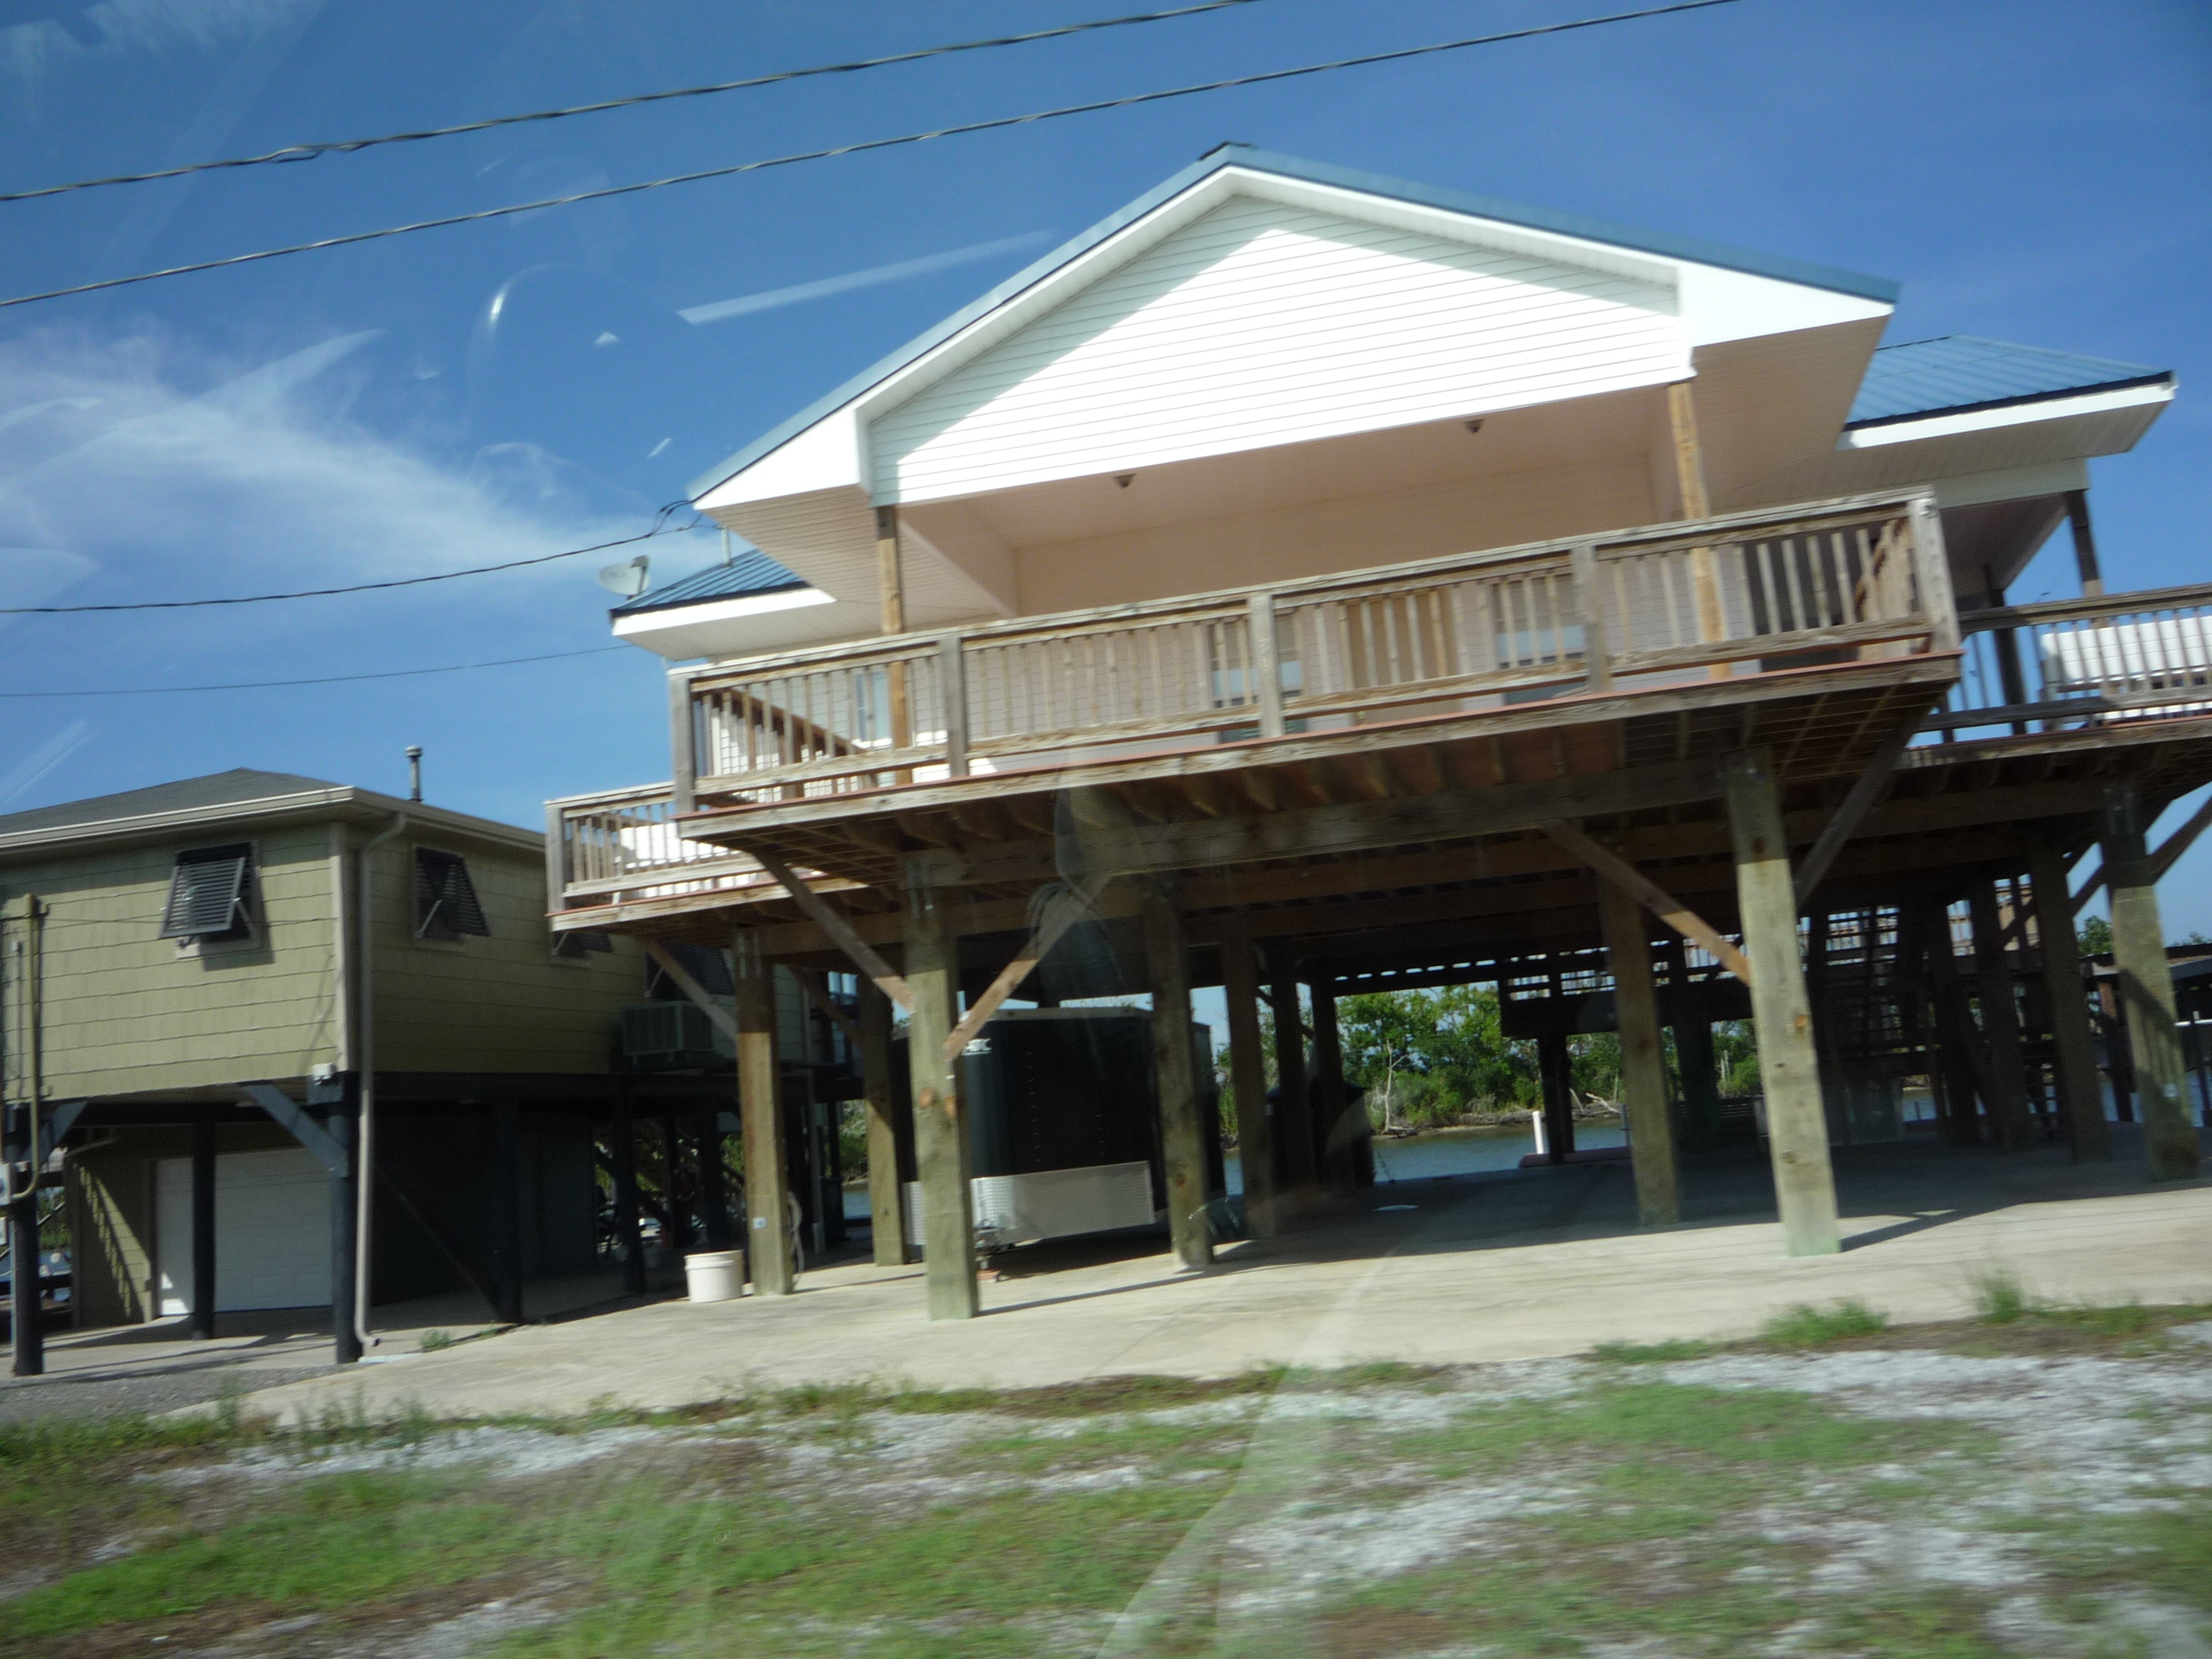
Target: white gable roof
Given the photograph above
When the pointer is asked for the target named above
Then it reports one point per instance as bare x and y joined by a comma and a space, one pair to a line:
1264, 302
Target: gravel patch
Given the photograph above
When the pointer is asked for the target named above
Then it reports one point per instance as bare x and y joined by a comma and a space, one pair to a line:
509, 1454
63, 1395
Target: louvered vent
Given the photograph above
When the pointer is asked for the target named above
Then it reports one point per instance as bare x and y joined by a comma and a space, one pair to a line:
208, 894
445, 906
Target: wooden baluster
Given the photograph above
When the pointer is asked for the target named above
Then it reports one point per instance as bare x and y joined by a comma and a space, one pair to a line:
952, 693
1266, 664
683, 754
1597, 659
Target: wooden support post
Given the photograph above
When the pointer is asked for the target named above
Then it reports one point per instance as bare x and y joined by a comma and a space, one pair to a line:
1335, 1130
1689, 474
1266, 689
203, 1230
1167, 961
1797, 1117
1643, 1068
714, 1186
1294, 1110
346, 1198
942, 1158
1556, 1076
623, 1147
2085, 543
26, 1309
2080, 1100
891, 594
1255, 1147
683, 754
887, 1215
952, 691
760, 1121
1694, 1055
2004, 1064
2146, 991
1964, 1084
506, 1211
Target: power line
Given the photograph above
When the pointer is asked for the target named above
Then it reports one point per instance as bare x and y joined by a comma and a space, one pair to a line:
660, 527
870, 144
348, 146
327, 679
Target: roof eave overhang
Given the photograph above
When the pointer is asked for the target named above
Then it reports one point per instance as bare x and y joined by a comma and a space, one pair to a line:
345, 804
2148, 393
1037, 286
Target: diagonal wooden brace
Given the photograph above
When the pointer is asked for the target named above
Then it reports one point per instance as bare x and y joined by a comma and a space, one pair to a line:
713, 1008
826, 917
1850, 813
1625, 876
1057, 919
817, 994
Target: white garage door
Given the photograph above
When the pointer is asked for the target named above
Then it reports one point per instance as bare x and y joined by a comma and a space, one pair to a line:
272, 1231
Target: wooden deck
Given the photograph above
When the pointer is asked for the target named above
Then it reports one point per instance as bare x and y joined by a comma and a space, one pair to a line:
1385, 806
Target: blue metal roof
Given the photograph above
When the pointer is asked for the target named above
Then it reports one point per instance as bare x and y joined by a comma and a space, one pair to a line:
1261, 160
1955, 373
747, 573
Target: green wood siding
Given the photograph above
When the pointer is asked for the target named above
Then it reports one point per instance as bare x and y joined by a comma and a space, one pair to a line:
505, 1003
126, 1011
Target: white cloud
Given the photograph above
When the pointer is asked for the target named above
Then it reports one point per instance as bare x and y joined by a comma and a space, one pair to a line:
188, 477
62, 30
34, 767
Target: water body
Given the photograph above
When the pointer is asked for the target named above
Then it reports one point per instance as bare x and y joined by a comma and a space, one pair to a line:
1416, 1157
1458, 1151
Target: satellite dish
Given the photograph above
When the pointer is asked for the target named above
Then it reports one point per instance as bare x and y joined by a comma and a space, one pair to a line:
628, 578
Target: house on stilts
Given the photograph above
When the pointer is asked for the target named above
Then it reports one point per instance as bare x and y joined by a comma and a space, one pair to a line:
1309, 578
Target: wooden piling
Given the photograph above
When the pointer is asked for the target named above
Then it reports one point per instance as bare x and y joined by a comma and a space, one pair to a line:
1796, 1119
1168, 959
2080, 1100
887, 1214
2000, 1024
761, 1118
942, 1160
1255, 1149
1644, 1069
2146, 990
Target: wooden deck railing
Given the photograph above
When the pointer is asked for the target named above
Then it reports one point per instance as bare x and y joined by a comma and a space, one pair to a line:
1848, 579
1821, 583
2067, 663
624, 845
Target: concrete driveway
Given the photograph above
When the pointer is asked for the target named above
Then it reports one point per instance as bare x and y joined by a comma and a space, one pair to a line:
1456, 1270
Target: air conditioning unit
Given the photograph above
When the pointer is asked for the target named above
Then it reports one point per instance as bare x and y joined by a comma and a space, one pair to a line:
673, 1037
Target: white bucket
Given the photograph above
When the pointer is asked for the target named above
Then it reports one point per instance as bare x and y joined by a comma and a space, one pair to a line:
716, 1276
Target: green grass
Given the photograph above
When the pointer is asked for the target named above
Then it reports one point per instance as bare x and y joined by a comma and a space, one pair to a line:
1807, 1326
1657, 1521
1999, 1298
434, 1341
1654, 1353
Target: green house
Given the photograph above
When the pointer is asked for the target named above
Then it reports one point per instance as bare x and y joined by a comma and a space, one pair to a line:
214, 992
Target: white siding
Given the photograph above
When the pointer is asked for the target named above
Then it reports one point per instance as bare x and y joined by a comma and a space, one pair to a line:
1263, 324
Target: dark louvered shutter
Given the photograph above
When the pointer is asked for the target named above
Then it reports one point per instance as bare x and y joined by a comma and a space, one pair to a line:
445, 899
205, 892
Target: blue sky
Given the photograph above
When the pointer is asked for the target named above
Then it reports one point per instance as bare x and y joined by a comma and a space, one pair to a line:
2031, 171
